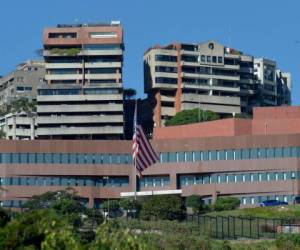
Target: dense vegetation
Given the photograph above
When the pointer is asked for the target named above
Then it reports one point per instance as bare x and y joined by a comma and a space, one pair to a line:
192, 116
58, 220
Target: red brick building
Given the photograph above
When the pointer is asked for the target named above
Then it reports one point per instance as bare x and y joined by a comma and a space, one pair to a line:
253, 159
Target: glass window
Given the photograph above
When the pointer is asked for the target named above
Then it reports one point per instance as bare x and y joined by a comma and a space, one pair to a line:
64, 158
270, 152
278, 152
188, 156
180, 156
205, 156
24, 158
90, 159
172, 157
48, 158
220, 59
81, 158
56, 158
212, 155
197, 156
115, 159
253, 153
287, 152
214, 59
40, 158
221, 155
31, 158
237, 154
262, 153
208, 58
106, 158
164, 157
202, 58
15, 158
245, 153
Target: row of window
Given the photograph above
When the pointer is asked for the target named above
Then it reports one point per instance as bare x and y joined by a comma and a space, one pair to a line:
57, 158
105, 181
165, 157
90, 91
154, 181
230, 154
188, 180
254, 200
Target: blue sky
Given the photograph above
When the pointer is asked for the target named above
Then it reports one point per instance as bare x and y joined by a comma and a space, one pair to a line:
262, 28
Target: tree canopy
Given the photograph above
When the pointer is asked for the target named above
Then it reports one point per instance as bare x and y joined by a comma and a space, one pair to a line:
192, 116
166, 207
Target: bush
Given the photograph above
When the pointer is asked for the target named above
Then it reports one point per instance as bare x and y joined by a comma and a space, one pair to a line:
288, 241
196, 203
167, 207
112, 205
192, 116
228, 203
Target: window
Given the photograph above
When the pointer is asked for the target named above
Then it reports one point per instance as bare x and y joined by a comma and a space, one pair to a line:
220, 59
214, 59
208, 58
202, 58
243, 178
102, 35
244, 201
63, 35
284, 176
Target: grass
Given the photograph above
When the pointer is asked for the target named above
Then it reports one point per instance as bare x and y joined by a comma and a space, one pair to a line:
277, 212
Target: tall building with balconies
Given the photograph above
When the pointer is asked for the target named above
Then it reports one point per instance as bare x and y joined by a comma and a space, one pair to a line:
273, 84
208, 76
82, 97
22, 82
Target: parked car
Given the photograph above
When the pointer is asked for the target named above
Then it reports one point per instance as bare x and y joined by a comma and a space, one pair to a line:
269, 203
296, 200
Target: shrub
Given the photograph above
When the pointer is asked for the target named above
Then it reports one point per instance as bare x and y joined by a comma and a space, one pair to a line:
196, 203
111, 205
192, 116
227, 203
167, 207
288, 241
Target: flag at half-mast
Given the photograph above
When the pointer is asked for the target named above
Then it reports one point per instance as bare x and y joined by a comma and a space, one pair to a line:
142, 152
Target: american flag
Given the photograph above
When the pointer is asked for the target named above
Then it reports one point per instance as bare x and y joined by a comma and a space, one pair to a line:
143, 154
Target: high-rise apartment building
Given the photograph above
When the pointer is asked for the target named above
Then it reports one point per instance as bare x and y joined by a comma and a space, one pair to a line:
82, 97
208, 75
274, 85
22, 82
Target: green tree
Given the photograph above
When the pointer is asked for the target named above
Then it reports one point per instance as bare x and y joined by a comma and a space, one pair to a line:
165, 207
130, 204
192, 116
111, 236
196, 203
67, 204
29, 230
4, 217
22, 104
226, 203
112, 205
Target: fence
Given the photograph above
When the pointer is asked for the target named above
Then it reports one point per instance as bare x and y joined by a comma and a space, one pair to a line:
231, 227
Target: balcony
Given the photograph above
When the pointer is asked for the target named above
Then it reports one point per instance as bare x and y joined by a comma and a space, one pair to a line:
73, 108
77, 130
80, 119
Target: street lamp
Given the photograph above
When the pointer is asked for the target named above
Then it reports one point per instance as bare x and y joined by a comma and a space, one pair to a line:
107, 178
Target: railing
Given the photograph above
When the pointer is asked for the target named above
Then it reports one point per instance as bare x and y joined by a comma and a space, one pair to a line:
233, 227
